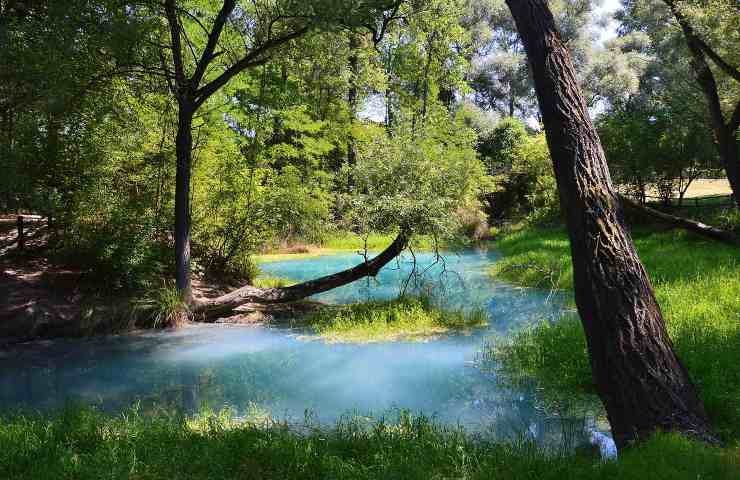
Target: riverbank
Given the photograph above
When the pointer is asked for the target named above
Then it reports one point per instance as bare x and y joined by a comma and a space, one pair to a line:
84, 444
47, 299
697, 284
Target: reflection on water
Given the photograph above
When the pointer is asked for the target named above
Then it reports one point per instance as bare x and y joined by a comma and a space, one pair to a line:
274, 370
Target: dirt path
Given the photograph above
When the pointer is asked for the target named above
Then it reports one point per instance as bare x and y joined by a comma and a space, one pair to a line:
37, 298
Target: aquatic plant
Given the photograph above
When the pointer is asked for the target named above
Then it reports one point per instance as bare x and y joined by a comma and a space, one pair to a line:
163, 307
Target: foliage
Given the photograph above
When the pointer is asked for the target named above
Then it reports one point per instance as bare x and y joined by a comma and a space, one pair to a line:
406, 318
655, 145
85, 444
524, 185
697, 284
414, 180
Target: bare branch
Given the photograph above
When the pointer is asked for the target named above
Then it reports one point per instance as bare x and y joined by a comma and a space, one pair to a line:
174, 23
257, 56
213, 37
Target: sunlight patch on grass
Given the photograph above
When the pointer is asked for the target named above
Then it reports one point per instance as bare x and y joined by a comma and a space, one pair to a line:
268, 281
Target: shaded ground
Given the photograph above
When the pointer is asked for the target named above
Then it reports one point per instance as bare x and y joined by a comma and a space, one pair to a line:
41, 299
38, 298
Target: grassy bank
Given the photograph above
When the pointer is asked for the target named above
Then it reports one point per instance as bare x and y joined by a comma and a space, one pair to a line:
697, 283
83, 444
405, 318
348, 241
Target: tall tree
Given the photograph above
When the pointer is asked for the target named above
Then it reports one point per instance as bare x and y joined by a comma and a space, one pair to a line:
725, 130
241, 35
638, 376
192, 87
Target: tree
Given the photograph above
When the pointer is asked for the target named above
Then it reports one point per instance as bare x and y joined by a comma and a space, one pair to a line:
642, 383
242, 35
192, 88
500, 78
709, 32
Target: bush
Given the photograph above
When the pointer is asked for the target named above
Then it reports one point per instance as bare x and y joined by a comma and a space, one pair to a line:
524, 184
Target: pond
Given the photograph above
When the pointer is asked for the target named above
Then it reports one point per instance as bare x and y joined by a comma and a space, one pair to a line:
289, 374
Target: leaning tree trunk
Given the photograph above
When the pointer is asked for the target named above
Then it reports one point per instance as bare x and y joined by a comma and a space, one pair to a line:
685, 223
183, 147
227, 304
725, 133
730, 156
353, 96
641, 382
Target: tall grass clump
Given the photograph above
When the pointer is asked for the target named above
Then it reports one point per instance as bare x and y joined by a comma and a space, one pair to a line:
405, 318
83, 444
697, 284
163, 307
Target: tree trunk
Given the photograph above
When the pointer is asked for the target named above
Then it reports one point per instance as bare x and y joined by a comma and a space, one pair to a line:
183, 147
352, 96
641, 382
224, 305
730, 156
21, 234
685, 223
725, 134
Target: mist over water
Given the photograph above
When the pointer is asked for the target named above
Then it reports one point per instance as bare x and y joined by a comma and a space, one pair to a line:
288, 374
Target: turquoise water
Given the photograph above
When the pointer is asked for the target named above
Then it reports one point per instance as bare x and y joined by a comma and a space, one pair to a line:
289, 375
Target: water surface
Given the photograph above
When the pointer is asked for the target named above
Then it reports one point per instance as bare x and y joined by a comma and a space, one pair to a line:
281, 373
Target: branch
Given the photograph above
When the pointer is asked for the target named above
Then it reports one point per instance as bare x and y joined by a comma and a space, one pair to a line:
704, 74
735, 120
685, 223
719, 61
699, 44
174, 24
257, 56
213, 37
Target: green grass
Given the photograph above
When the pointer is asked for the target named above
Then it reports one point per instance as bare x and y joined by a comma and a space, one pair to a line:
352, 241
697, 283
348, 241
163, 307
83, 444
268, 281
406, 318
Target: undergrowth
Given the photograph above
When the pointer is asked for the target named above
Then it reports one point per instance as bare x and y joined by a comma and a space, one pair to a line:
84, 444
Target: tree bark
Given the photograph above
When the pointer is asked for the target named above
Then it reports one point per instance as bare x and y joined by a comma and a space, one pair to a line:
184, 152
353, 95
21, 234
639, 378
226, 304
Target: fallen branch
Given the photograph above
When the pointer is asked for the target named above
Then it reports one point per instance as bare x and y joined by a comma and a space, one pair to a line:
682, 222
226, 304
